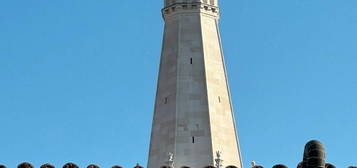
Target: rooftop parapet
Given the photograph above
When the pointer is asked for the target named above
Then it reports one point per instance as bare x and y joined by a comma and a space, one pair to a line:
314, 157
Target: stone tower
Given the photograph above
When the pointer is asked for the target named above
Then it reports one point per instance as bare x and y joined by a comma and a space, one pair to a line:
193, 118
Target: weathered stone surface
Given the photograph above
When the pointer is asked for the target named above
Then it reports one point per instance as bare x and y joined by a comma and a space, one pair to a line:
314, 155
210, 167
193, 116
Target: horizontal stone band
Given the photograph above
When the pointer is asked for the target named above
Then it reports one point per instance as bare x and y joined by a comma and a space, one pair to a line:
193, 7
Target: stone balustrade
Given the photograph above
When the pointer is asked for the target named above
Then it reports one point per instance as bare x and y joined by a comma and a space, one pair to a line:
314, 157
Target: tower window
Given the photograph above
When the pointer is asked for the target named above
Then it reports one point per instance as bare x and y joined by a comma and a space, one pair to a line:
193, 139
191, 61
219, 98
166, 100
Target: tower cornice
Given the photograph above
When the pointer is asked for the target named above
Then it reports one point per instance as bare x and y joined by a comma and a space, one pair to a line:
185, 8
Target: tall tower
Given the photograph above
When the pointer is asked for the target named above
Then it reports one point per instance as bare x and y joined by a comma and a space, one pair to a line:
193, 118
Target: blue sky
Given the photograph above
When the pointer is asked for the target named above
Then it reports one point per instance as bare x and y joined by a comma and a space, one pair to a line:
78, 79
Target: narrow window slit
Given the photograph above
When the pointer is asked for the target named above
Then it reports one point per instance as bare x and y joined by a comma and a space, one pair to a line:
165, 100
191, 61
193, 139
219, 99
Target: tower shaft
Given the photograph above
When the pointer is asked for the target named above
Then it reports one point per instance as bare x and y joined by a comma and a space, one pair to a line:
193, 116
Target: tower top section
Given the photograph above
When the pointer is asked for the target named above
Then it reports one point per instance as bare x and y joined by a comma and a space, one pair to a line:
173, 7
207, 2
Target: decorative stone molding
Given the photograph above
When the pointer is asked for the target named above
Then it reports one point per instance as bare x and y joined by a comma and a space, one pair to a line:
196, 7
314, 157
